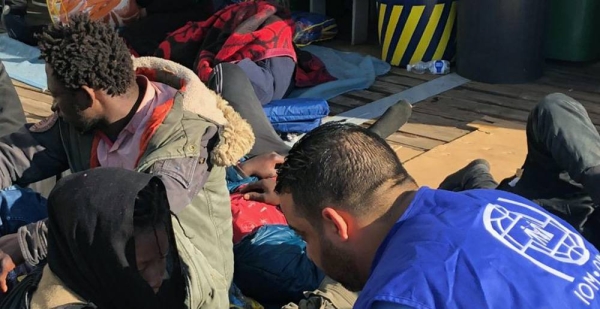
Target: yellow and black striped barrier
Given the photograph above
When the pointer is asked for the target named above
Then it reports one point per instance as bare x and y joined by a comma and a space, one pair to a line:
417, 30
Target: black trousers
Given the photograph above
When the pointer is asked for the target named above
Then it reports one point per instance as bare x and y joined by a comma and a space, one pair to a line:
12, 116
562, 167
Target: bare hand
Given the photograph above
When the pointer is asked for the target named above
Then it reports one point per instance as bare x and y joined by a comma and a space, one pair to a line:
261, 191
262, 166
10, 257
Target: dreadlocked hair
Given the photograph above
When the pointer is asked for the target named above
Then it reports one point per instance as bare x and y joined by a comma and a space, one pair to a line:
88, 53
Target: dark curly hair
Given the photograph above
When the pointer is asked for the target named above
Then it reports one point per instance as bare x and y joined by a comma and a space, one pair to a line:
88, 53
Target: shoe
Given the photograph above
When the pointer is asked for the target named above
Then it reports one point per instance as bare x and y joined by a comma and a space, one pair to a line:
476, 175
392, 120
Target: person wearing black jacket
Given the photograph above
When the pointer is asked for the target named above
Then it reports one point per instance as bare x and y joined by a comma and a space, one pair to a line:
561, 171
12, 116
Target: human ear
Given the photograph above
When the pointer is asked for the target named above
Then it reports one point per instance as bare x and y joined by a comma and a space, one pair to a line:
91, 93
335, 223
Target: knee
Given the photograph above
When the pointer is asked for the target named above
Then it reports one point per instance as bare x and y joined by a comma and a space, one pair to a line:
18, 207
230, 71
557, 102
228, 78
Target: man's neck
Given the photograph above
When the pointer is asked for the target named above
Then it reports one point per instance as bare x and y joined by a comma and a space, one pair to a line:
121, 110
376, 231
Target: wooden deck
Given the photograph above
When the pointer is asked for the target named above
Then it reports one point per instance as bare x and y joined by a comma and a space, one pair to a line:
442, 118
445, 117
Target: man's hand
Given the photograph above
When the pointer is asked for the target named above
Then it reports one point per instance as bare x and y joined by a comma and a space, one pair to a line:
261, 191
10, 257
262, 166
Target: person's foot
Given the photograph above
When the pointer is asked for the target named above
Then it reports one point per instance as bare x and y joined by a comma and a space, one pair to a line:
476, 175
392, 120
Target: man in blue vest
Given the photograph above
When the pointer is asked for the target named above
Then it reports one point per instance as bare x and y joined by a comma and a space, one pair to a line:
369, 226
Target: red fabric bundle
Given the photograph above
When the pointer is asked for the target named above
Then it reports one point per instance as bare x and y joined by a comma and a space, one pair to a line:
250, 215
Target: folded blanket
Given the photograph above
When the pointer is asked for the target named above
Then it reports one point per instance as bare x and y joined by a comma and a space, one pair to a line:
292, 110
298, 115
297, 126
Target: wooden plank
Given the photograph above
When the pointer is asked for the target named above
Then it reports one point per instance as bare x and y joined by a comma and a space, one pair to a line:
530, 94
488, 98
348, 102
575, 78
486, 122
467, 111
489, 143
405, 153
400, 80
34, 95
386, 87
436, 132
539, 90
414, 141
419, 116
335, 109
369, 95
433, 127
582, 71
25, 86
498, 111
35, 108
403, 72
533, 92
30, 118
513, 103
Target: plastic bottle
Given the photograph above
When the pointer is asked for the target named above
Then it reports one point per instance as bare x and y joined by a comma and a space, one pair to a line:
438, 67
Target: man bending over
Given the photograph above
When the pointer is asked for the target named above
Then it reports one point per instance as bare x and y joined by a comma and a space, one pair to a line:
369, 226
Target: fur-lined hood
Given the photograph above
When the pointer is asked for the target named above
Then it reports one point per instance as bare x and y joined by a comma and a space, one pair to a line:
235, 134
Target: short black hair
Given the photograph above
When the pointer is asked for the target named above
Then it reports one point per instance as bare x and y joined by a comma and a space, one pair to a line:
88, 53
339, 164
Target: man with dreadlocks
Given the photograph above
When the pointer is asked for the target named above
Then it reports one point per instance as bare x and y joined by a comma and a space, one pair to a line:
149, 115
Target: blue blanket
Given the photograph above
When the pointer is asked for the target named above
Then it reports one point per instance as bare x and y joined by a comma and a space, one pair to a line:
22, 62
353, 71
299, 115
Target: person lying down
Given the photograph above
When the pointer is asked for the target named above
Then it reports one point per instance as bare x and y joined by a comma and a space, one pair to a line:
118, 247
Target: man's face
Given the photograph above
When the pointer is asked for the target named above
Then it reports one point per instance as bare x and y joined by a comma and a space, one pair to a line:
324, 248
151, 247
73, 106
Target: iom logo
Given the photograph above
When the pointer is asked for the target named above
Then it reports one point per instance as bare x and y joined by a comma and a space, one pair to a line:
536, 236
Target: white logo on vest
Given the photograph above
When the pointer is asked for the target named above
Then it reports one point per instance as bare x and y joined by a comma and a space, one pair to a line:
544, 241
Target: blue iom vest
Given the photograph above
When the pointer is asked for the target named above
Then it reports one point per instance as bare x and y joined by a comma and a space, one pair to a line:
482, 249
